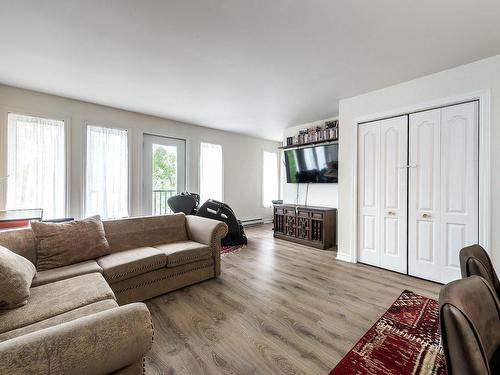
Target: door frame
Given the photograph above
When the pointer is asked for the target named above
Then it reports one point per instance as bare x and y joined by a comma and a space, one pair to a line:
140, 165
484, 124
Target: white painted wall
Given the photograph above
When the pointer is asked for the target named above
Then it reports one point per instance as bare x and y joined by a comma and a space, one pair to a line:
242, 155
319, 194
465, 79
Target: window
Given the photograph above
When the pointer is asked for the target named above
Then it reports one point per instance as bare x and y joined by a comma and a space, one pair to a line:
106, 182
36, 165
210, 172
269, 178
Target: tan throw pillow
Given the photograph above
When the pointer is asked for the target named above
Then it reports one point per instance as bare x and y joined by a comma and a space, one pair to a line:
16, 275
60, 245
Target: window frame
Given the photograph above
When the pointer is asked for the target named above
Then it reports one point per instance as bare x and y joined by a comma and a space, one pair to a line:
4, 143
129, 131
222, 168
278, 176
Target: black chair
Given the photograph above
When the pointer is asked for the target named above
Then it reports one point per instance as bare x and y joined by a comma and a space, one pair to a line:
184, 202
215, 210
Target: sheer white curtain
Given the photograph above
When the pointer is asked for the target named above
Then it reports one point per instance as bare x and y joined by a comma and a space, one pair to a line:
211, 182
36, 165
106, 184
270, 178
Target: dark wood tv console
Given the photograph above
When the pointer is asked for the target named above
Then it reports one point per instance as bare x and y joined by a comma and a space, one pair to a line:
307, 225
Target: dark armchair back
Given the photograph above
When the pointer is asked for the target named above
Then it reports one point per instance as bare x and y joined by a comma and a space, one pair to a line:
470, 327
474, 260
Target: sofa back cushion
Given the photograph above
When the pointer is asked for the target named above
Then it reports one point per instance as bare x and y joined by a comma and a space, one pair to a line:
20, 241
16, 275
131, 233
63, 244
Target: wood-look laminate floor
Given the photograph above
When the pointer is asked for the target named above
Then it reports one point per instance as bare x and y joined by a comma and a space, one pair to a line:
278, 308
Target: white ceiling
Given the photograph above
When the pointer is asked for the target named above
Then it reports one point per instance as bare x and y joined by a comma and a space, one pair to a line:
250, 66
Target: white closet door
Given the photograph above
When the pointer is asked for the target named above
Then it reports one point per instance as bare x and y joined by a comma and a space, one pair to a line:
368, 193
459, 185
424, 195
393, 193
443, 191
382, 193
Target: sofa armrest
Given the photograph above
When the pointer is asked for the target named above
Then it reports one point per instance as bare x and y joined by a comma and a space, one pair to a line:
208, 232
205, 231
96, 344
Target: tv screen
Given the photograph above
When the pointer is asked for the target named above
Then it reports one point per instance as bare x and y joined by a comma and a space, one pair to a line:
313, 164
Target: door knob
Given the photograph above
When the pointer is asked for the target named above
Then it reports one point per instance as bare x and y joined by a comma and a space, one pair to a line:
426, 216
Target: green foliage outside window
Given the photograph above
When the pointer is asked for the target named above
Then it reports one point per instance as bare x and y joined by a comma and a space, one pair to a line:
164, 168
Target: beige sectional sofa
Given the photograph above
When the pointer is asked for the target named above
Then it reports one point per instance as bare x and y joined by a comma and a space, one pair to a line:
74, 321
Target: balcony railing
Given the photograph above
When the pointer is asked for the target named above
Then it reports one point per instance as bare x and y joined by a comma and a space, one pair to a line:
160, 198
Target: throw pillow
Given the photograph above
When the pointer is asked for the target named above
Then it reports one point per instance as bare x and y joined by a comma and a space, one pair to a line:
16, 275
63, 244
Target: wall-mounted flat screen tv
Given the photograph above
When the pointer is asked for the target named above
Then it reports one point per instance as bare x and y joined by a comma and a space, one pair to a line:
318, 164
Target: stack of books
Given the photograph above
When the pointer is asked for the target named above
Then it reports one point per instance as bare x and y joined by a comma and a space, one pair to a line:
329, 132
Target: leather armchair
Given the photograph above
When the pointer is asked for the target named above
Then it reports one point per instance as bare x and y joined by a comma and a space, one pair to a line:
470, 327
474, 260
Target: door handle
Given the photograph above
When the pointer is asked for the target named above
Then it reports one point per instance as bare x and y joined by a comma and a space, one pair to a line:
392, 213
426, 216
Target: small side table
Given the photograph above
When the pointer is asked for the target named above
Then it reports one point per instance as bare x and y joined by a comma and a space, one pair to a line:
19, 218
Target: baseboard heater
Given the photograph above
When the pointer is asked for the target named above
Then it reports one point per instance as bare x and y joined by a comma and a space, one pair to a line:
256, 221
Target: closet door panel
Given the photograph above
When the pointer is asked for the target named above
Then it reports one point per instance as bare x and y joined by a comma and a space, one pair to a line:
443, 190
459, 184
368, 193
424, 195
393, 193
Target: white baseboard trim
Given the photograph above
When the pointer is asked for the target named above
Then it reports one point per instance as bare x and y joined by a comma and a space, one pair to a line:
344, 258
256, 221
253, 221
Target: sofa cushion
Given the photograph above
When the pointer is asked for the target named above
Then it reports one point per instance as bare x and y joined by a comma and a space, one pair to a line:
61, 273
20, 241
161, 281
16, 275
68, 243
129, 263
61, 318
56, 298
184, 252
131, 233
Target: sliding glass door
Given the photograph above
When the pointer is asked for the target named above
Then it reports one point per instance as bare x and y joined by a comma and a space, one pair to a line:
164, 172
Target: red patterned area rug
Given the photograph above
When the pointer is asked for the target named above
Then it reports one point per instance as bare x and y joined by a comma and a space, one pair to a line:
405, 340
229, 249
